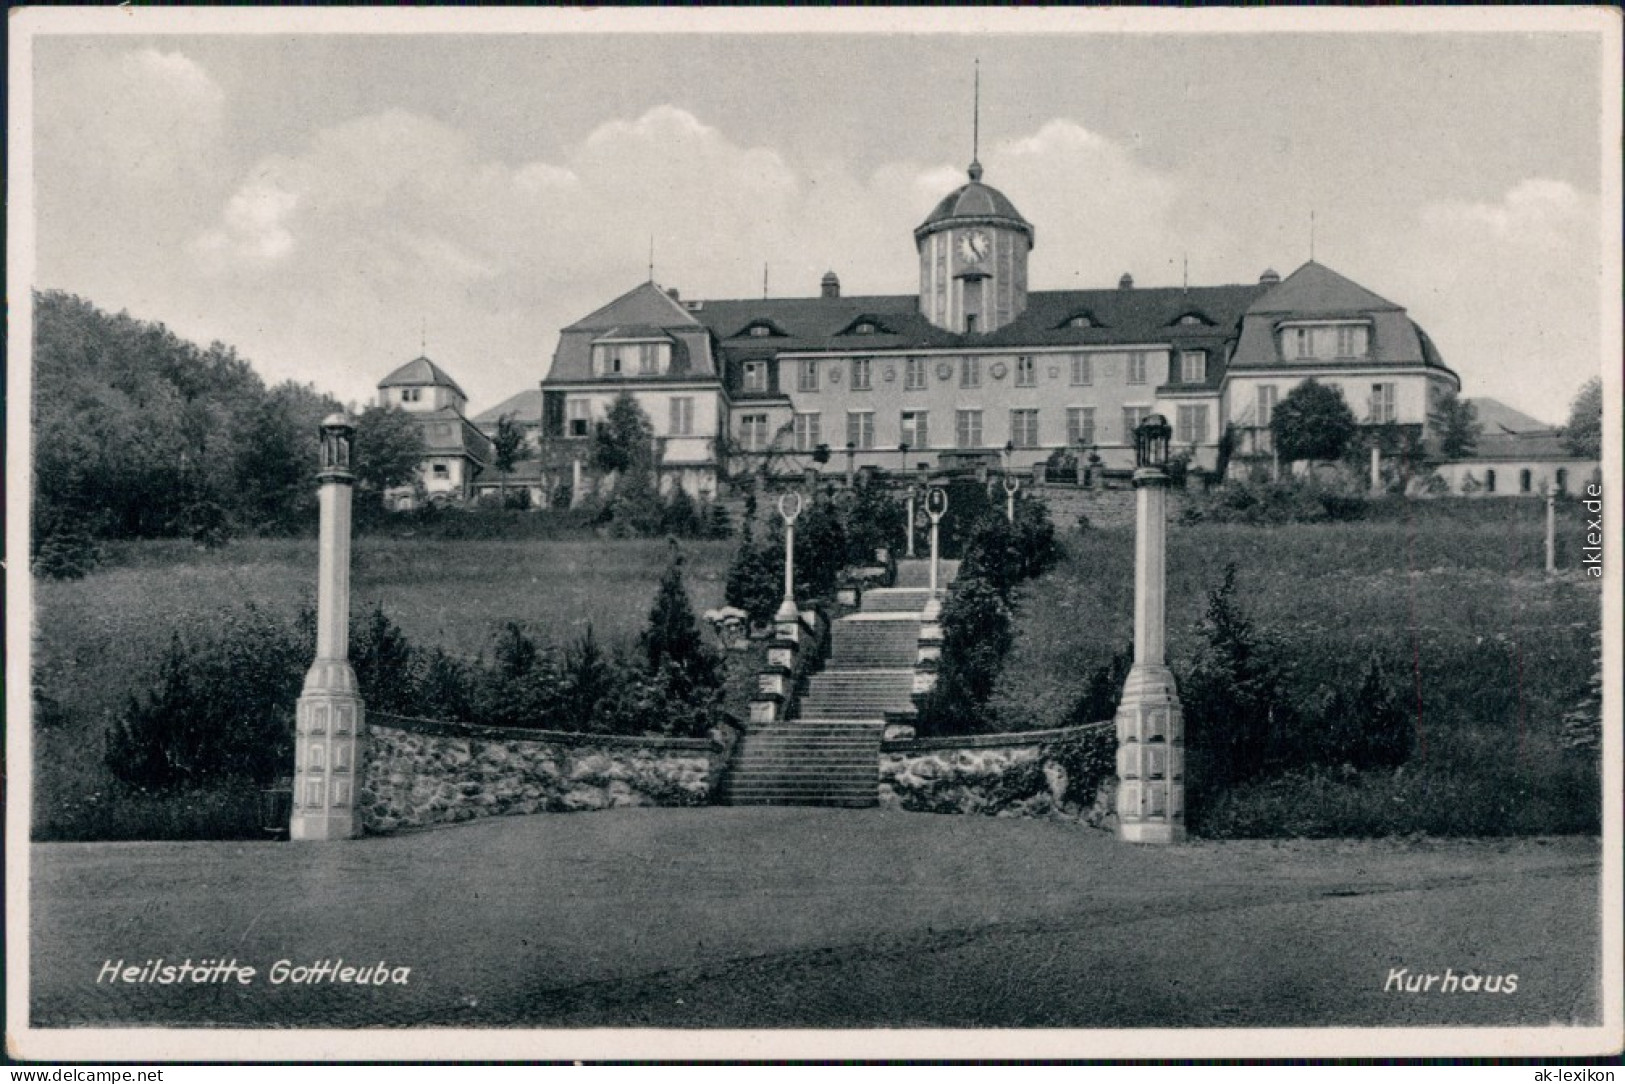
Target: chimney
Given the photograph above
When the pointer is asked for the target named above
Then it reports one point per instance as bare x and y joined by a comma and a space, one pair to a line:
831, 285
1126, 282
671, 292
1269, 277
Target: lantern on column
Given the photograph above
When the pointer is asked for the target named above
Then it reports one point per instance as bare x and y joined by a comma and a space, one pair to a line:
1151, 443
338, 436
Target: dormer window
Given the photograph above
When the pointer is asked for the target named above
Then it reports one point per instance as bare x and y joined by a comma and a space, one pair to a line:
1193, 367
1081, 320
754, 376
866, 325
760, 331
1325, 340
1194, 319
626, 357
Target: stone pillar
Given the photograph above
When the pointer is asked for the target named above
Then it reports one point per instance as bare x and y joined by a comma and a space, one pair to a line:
1150, 722
575, 482
910, 541
329, 717
1376, 469
1551, 534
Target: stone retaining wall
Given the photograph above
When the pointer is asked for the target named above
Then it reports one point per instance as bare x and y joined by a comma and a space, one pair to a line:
1105, 507
420, 772
1030, 774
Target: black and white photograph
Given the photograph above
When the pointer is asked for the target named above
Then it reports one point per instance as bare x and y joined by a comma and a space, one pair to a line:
789, 533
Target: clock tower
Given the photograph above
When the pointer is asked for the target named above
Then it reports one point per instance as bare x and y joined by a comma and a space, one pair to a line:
973, 259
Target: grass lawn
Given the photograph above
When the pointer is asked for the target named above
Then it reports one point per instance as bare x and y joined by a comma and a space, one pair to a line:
1489, 651
98, 640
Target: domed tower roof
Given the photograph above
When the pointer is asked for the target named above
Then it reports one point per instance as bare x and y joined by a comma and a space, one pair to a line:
975, 204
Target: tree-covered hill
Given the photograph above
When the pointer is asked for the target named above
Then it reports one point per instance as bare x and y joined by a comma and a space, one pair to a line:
139, 433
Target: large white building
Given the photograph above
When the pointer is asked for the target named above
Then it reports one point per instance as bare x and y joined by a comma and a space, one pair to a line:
974, 362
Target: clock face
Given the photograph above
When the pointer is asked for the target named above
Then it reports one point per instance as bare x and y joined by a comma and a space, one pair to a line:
974, 246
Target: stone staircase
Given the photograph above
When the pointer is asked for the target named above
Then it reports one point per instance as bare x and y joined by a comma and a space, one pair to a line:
829, 762
830, 754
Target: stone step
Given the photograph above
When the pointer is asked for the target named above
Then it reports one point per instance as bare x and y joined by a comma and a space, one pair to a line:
895, 599
917, 573
843, 803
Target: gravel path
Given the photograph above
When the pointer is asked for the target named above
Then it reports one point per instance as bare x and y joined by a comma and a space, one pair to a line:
818, 918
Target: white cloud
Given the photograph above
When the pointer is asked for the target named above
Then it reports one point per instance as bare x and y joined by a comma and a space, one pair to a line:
1510, 289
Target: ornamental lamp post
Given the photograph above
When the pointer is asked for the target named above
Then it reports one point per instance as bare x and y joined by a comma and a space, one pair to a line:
329, 714
789, 509
1011, 485
936, 505
1150, 721
851, 463
902, 458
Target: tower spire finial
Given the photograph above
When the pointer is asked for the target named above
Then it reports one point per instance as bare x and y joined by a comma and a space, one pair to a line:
976, 126
651, 257
423, 338
1311, 235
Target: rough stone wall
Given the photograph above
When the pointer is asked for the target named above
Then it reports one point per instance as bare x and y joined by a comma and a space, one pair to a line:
1105, 508
1039, 773
419, 772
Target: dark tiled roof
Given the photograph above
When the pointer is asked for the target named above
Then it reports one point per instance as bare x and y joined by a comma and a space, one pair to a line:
526, 407
975, 202
1317, 292
645, 303
1540, 444
420, 372
1496, 417
446, 432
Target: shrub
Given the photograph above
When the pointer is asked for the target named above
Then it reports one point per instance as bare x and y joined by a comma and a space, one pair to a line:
222, 709
977, 633
65, 551
1103, 691
1236, 707
874, 520
1089, 758
1267, 503
755, 580
672, 644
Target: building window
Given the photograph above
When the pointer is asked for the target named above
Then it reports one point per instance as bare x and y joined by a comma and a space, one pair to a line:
861, 374
1080, 321
1382, 404
1132, 417
1083, 369
1193, 367
807, 428
914, 431
760, 331
1136, 367
1266, 405
753, 432
682, 416
1329, 341
1526, 481
1024, 428
580, 414
807, 376
1562, 480
860, 429
1489, 481
914, 374
1026, 371
755, 376
970, 372
1080, 425
864, 329
968, 429
1192, 424
440, 470
411, 395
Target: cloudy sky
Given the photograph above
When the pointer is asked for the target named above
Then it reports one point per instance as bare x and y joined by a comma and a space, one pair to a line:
322, 201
